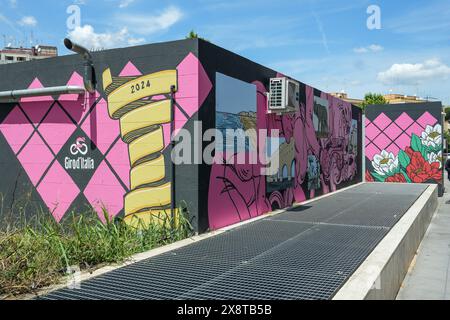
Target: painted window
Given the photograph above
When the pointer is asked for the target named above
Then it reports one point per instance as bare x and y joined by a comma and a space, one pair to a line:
320, 117
235, 113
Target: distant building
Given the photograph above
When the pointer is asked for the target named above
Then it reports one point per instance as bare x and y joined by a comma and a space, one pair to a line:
392, 98
13, 55
344, 96
395, 98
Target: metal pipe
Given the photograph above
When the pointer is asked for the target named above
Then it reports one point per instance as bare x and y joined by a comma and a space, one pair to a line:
89, 79
172, 147
78, 49
14, 95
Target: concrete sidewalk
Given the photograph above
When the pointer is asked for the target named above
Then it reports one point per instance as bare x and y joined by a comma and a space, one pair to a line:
429, 274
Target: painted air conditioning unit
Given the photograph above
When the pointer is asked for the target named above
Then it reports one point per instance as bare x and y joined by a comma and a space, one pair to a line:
283, 96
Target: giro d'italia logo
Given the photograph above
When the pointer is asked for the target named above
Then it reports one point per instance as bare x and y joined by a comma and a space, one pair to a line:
79, 147
78, 158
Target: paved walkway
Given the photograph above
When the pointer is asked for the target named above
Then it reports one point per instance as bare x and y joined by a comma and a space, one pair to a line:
429, 275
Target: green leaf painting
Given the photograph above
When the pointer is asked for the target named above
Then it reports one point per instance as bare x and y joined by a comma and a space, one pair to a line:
403, 159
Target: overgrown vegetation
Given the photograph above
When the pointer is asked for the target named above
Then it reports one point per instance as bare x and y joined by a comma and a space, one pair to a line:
371, 99
36, 253
193, 35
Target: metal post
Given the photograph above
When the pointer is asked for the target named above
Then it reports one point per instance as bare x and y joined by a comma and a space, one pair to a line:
172, 144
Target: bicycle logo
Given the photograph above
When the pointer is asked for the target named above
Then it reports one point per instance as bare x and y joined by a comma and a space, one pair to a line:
79, 147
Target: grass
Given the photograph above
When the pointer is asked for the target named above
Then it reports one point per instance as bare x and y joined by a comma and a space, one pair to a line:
36, 253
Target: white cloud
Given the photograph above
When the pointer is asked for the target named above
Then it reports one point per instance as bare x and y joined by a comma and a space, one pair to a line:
87, 37
412, 74
371, 48
125, 3
149, 24
28, 21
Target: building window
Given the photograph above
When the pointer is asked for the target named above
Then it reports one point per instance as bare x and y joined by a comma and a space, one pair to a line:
9, 58
320, 117
21, 59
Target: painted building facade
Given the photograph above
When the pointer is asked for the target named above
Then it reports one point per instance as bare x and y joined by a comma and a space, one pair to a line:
111, 151
404, 143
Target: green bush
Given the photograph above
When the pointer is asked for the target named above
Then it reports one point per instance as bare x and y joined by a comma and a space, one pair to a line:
37, 253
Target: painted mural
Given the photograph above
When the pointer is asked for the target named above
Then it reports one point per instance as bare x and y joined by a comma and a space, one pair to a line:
106, 152
141, 119
317, 155
110, 151
404, 145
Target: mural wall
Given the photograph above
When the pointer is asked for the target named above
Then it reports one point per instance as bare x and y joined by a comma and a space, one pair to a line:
102, 152
319, 147
404, 143
111, 151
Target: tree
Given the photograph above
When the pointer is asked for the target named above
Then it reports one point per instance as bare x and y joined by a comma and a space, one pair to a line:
447, 114
371, 99
192, 35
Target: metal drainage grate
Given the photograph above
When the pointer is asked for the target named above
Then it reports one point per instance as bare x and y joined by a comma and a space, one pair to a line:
308, 254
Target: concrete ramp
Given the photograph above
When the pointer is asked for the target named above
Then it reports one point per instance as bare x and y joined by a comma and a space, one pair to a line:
313, 251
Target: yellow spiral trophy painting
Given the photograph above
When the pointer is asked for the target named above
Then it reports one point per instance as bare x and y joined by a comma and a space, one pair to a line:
141, 120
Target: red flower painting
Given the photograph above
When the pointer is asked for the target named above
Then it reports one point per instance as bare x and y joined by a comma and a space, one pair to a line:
420, 170
420, 162
399, 177
369, 177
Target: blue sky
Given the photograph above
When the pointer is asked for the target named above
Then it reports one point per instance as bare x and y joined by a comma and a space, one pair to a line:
323, 43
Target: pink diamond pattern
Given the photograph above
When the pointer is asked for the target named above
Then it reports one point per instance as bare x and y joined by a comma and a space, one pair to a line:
119, 160
100, 128
367, 142
382, 141
371, 151
36, 110
372, 131
58, 191
16, 129
427, 119
36, 107
105, 192
194, 85
404, 121
35, 158
382, 121
56, 128
403, 141
393, 148
57, 188
393, 131
415, 129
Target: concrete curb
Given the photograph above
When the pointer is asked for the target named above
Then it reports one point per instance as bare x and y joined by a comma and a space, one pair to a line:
381, 275
85, 275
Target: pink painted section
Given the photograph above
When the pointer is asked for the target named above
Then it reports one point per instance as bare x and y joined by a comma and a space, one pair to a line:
193, 84
16, 129
119, 159
75, 80
105, 192
130, 70
58, 191
235, 194
36, 84
36, 110
100, 128
35, 158
56, 128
